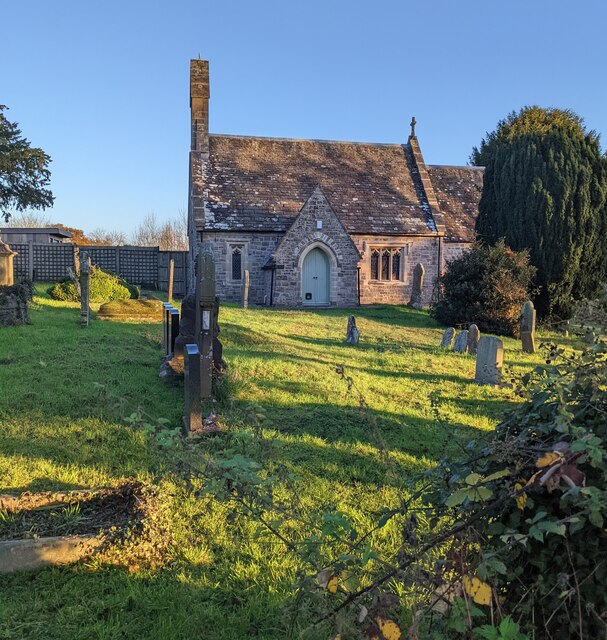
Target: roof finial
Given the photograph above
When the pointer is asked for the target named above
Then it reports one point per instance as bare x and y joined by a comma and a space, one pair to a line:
413, 123
199, 57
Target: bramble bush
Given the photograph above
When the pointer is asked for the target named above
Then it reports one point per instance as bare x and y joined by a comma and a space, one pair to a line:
104, 288
486, 286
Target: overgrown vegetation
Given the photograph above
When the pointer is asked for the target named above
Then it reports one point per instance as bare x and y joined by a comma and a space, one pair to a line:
488, 286
104, 287
289, 414
545, 189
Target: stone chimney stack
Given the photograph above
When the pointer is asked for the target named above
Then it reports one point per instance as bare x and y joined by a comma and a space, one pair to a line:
199, 105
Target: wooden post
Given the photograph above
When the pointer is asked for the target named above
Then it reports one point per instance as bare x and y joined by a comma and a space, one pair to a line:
30, 261
192, 419
7, 270
205, 302
171, 273
85, 289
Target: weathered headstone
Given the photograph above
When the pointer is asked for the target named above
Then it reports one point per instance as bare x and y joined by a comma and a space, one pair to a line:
474, 335
171, 279
417, 287
191, 369
85, 289
528, 327
245, 290
489, 361
167, 308
461, 342
448, 338
352, 334
205, 316
7, 257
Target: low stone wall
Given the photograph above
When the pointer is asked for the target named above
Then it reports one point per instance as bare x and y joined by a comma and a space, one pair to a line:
13, 304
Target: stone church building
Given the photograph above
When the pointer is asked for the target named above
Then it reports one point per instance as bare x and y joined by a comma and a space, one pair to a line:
319, 222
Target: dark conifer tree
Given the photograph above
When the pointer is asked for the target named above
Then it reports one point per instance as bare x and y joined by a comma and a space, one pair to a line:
545, 190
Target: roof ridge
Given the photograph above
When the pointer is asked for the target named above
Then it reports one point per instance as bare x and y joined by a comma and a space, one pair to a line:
456, 166
278, 139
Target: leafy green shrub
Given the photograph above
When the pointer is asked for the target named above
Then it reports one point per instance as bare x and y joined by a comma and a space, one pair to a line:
104, 287
486, 286
134, 290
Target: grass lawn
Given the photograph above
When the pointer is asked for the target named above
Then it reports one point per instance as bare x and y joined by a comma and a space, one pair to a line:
219, 578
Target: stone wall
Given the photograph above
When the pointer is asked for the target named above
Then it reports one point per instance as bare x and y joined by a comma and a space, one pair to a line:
454, 250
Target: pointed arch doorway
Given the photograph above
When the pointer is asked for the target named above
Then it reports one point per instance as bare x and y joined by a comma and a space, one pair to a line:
315, 278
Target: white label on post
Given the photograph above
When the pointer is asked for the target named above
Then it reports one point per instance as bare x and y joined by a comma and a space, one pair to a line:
206, 320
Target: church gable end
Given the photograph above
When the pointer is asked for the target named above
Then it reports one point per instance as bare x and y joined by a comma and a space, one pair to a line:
316, 227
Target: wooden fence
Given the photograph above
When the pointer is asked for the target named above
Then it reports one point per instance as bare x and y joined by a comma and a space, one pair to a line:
144, 266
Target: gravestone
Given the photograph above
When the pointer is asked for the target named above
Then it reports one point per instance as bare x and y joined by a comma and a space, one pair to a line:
474, 335
461, 342
528, 327
174, 329
7, 257
352, 334
192, 420
489, 361
418, 284
168, 318
245, 290
448, 338
219, 363
85, 289
205, 316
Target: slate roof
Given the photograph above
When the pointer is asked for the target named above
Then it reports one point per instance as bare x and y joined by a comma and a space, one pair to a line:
458, 191
260, 184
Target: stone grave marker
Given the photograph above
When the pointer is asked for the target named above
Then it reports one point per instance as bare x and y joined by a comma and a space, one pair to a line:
448, 338
7, 257
474, 335
489, 361
245, 290
528, 327
461, 342
352, 334
205, 316
166, 311
192, 420
416, 289
85, 289
174, 329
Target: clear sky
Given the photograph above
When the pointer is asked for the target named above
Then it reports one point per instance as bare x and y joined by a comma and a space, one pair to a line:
103, 86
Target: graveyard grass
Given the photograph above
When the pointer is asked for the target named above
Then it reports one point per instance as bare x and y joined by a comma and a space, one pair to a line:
219, 579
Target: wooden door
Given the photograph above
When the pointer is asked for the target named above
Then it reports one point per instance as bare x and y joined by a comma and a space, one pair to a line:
315, 278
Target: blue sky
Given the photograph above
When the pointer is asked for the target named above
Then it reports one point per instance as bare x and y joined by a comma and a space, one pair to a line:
103, 87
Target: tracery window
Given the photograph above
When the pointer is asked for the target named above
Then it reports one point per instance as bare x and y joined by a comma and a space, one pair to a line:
236, 261
387, 263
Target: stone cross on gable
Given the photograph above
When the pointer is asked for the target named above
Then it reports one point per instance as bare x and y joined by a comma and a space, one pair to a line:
413, 123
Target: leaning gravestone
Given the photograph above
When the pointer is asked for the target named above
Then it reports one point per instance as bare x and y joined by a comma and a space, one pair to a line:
448, 338
461, 342
528, 327
418, 283
245, 290
191, 384
474, 335
489, 361
352, 331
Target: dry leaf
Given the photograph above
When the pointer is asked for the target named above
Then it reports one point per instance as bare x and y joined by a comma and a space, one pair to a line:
332, 585
388, 628
547, 459
521, 500
478, 590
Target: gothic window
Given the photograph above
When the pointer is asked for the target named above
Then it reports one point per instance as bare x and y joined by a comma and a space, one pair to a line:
236, 261
387, 264
375, 264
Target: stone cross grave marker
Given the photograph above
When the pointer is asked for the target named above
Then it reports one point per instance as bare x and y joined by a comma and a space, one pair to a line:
417, 287
474, 335
489, 361
528, 327
461, 342
245, 290
448, 338
352, 334
85, 289
205, 316
192, 420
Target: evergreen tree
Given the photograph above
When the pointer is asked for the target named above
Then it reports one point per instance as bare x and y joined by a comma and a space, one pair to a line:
545, 190
24, 173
